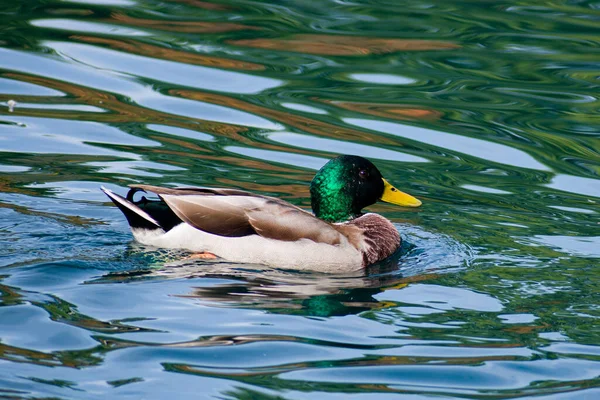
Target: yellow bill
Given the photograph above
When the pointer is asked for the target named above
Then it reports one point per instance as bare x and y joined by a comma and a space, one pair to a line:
394, 196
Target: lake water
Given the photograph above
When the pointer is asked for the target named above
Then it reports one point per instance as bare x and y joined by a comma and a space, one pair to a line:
486, 111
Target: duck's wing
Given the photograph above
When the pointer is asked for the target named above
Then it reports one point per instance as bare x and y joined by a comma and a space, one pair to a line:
235, 213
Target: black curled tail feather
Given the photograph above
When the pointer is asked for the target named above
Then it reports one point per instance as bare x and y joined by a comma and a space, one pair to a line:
131, 192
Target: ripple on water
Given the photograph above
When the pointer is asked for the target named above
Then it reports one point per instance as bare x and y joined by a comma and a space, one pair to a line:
341, 147
16, 87
176, 73
88, 27
468, 146
298, 160
382, 79
57, 136
576, 184
427, 252
580, 246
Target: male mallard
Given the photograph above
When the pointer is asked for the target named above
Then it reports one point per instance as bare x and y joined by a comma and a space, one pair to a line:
244, 227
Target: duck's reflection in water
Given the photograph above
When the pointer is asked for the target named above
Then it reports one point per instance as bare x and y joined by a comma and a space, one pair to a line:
224, 284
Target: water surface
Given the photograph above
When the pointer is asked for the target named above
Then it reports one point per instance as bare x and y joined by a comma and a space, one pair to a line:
486, 112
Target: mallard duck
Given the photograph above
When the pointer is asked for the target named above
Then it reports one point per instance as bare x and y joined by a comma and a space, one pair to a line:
240, 226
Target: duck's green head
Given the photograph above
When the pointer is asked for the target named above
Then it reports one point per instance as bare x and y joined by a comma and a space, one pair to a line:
347, 184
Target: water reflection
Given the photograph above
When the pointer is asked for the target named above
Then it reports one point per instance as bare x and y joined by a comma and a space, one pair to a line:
17, 87
187, 57
344, 45
163, 71
341, 147
181, 26
581, 246
49, 138
298, 160
90, 27
576, 184
443, 298
488, 114
483, 149
312, 294
382, 79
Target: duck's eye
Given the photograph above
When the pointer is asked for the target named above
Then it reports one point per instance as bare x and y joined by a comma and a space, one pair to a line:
363, 173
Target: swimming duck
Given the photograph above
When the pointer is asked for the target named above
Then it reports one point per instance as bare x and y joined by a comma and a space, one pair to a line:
240, 226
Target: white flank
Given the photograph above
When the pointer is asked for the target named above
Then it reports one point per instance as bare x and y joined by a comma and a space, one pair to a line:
302, 254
